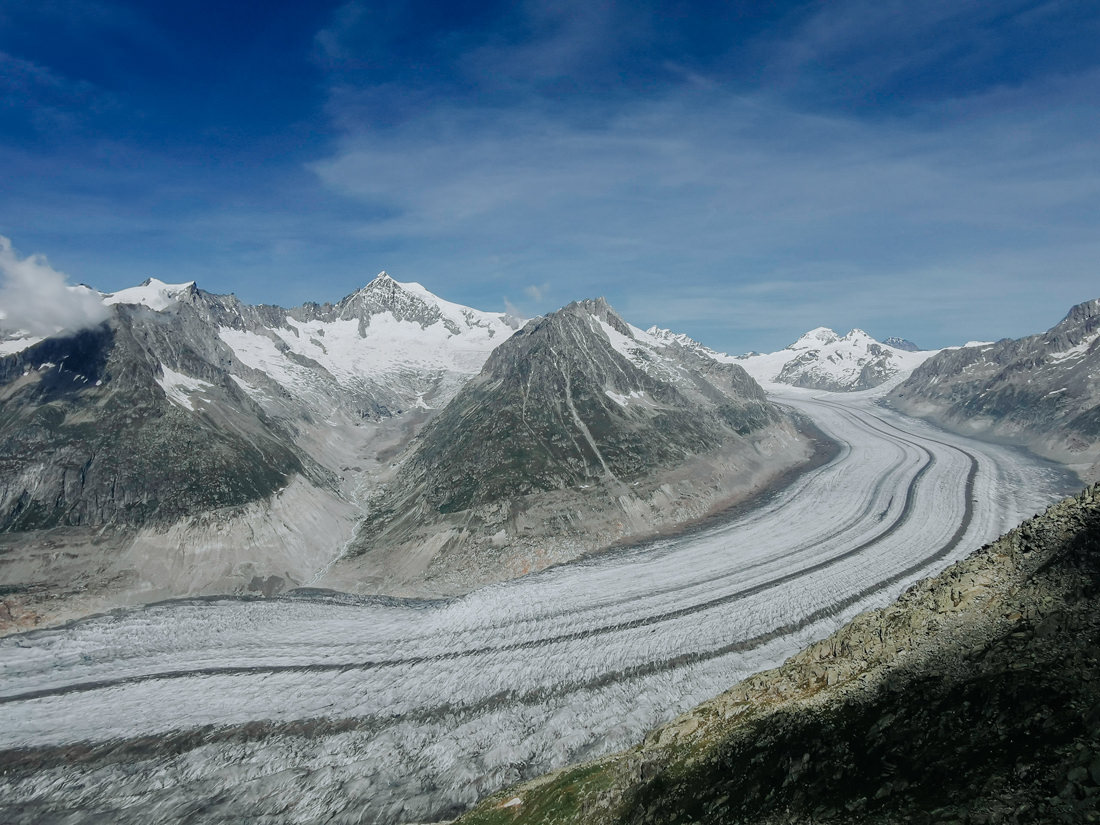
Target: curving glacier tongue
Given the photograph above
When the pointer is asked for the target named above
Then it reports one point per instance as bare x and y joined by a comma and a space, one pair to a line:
325, 708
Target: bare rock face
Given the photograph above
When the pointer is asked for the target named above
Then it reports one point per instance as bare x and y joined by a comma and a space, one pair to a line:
974, 698
1041, 392
580, 431
130, 423
904, 344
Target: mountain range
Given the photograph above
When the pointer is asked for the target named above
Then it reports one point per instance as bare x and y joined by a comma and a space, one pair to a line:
394, 442
581, 431
192, 443
823, 360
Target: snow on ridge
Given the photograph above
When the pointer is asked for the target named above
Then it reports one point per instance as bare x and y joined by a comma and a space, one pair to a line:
661, 337
178, 387
627, 346
405, 347
154, 293
822, 356
624, 400
816, 337
10, 346
461, 316
1078, 351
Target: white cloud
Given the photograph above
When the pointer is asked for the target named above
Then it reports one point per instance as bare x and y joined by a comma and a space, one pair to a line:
36, 298
723, 191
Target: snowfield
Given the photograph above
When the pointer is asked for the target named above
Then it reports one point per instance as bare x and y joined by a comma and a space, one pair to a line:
327, 708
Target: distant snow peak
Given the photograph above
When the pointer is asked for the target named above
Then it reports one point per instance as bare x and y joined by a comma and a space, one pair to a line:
858, 336
393, 345
153, 293
823, 360
412, 302
816, 337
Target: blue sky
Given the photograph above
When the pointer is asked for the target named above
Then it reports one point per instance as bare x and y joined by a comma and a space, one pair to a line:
737, 171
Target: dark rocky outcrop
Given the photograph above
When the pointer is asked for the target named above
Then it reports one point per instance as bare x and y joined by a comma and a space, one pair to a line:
903, 344
973, 699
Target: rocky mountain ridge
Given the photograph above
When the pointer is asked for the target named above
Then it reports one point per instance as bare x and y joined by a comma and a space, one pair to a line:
192, 443
580, 431
901, 343
1041, 392
972, 699
195, 444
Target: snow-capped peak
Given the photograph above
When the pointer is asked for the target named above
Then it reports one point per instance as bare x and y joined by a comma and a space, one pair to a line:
396, 340
410, 301
817, 337
823, 360
153, 293
860, 338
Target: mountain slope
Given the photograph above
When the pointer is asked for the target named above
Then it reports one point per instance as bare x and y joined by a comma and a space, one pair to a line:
823, 360
974, 698
1042, 392
580, 431
122, 425
195, 444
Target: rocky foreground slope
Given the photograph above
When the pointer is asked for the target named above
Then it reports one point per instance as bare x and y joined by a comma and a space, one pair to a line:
580, 431
975, 698
1041, 392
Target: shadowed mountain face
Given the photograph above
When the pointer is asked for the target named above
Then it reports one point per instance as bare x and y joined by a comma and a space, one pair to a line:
561, 437
129, 423
1042, 392
903, 344
975, 698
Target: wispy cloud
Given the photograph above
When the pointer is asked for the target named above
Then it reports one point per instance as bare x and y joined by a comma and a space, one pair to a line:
734, 170
36, 298
726, 189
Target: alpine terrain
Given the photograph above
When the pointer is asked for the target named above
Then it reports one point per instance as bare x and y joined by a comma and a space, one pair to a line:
195, 444
579, 432
974, 698
192, 444
1041, 392
823, 360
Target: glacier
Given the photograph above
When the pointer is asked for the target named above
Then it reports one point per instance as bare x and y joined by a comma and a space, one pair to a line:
320, 707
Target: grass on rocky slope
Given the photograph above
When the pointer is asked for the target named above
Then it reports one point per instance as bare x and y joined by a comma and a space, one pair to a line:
973, 699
